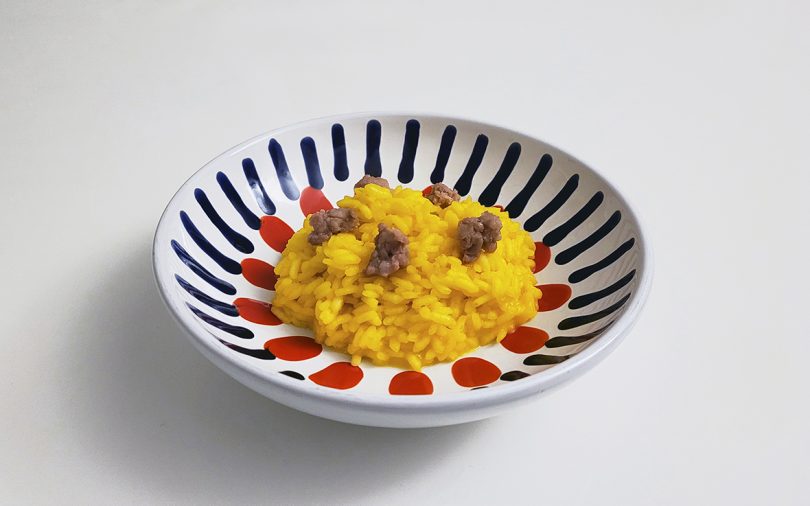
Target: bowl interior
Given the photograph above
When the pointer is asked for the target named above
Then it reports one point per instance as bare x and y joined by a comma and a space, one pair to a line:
223, 232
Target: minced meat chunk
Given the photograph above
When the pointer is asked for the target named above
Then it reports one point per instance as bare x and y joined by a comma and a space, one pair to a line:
442, 195
476, 234
372, 180
390, 252
327, 223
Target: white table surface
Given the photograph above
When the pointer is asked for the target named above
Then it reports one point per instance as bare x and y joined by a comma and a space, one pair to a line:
697, 110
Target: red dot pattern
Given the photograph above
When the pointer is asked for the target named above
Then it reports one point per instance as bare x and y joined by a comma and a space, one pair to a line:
340, 375
275, 232
293, 348
525, 340
542, 255
475, 372
554, 296
256, 311
313, 200
410, 383
259, 273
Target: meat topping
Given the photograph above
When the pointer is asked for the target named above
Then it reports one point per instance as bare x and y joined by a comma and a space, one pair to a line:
372, 180
390, 252
477, 234
442, 195
327, 223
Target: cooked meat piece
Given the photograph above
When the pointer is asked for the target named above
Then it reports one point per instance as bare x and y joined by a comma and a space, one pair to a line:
371, 180
390, 252
327, 223
442, 195
476, 234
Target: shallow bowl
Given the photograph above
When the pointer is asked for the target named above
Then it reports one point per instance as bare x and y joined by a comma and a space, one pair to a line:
223, 231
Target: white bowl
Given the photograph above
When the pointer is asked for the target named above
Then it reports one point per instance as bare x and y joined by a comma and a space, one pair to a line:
228, 220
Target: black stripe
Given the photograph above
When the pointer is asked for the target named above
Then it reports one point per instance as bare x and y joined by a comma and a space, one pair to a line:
560, 341
229, 264
288, 185
545, 359
313, 167
590, 298
405, 173
586, 272
373, 165
464, 182
540, 217
251, 219
261, 354
293, 374
514, 375
518, 203
584, 245
236, 239
446, 146
578, 321
240, 332
493, 190
558, 234
222, 307
339, 149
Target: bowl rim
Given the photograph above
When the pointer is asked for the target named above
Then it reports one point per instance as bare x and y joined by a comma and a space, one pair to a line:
536, 383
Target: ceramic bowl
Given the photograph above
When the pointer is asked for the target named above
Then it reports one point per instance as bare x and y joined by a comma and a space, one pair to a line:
223, 231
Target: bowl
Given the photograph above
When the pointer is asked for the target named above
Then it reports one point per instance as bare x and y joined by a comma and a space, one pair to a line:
224, 229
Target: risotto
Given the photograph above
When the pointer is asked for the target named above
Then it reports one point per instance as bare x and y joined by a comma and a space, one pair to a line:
423, 301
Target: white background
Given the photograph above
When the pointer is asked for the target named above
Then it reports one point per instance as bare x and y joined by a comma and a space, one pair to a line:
697, 110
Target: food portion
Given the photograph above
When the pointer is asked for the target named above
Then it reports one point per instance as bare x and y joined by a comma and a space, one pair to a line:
405, 278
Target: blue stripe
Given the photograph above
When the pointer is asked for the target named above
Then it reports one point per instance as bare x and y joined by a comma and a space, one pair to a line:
581, 247
202, 272
405, 174
262, 198
237, 331
448, 137
536, 221
518, 203
282, 170
493, 190
236, 201
339, 149
464, 182
226, 309
238, 241
373, 165
558, 234
310, 154
226, 263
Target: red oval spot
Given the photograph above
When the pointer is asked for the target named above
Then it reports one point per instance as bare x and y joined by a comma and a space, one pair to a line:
256, 311
410, 383
293, 348
427, 191
259, 273
275, 232
525, 340
475, 372
554, 296
313, 200
340, 375
542, 255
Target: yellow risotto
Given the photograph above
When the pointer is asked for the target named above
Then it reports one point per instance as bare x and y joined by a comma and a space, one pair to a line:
433, 310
